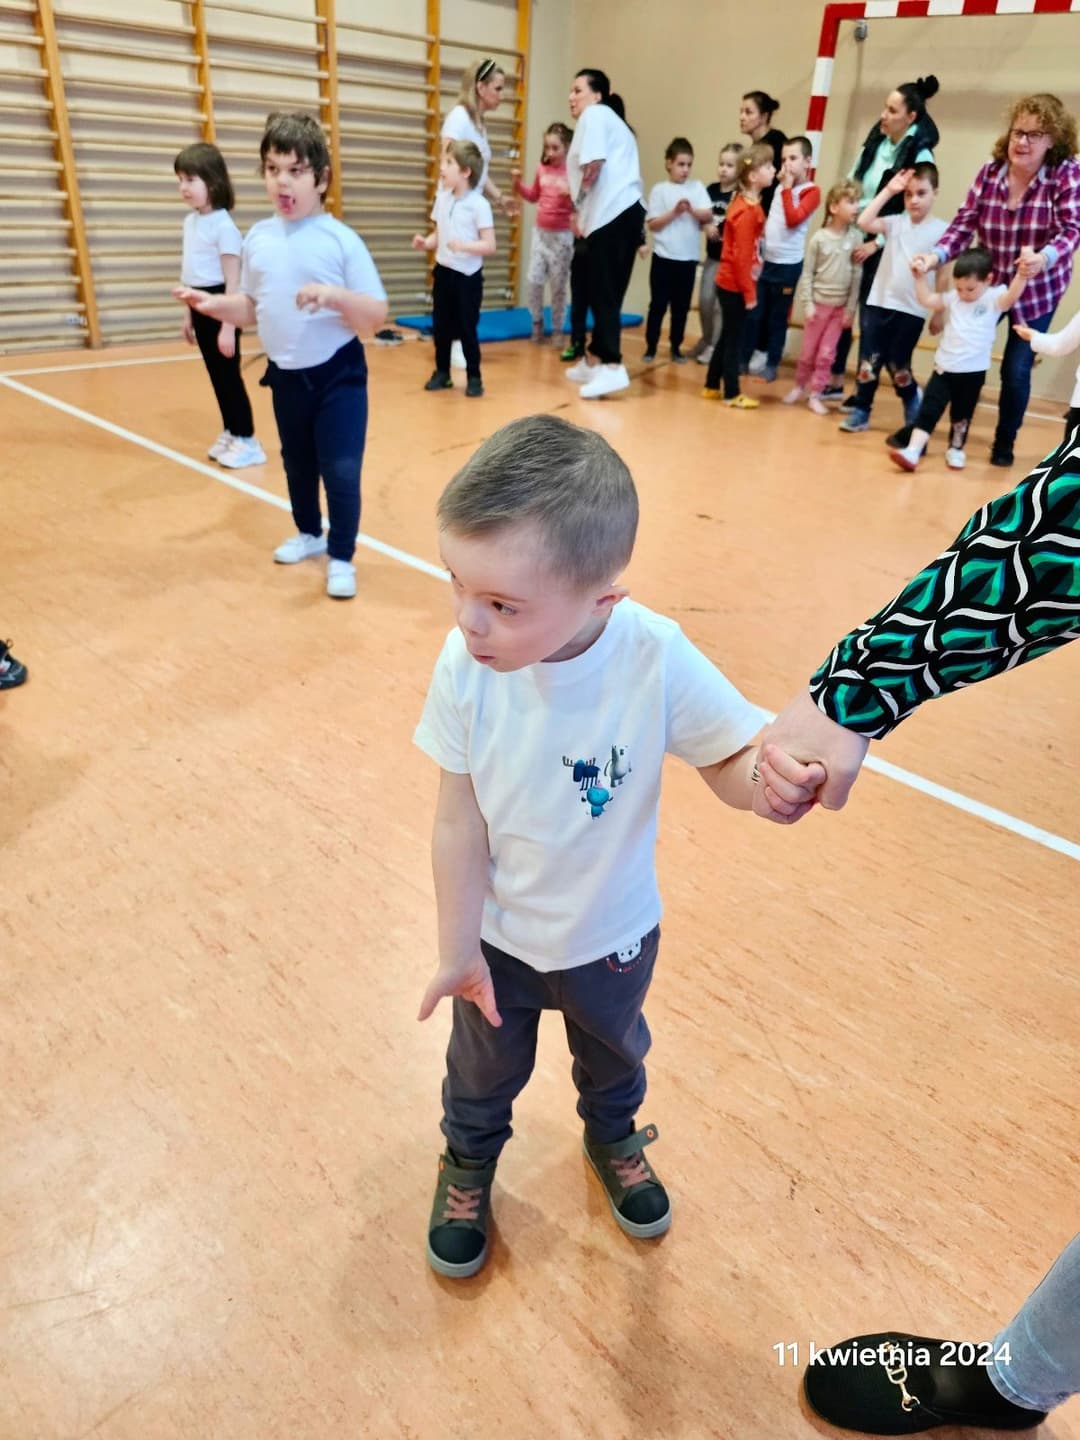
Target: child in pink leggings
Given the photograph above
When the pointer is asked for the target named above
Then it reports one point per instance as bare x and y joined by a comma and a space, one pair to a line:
829, 291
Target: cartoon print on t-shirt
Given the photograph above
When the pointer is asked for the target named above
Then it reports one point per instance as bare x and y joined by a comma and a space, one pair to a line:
586, 774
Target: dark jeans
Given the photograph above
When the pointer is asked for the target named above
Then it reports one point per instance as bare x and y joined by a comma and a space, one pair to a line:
579, 292
455, 314
887, 341
766, 327
611, 262
960, 392
1016, 365
726, 356
321, 416
486, 1068
671, 282
843, 349
224, 372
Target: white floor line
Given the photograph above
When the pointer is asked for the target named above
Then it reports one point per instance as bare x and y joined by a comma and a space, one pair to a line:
104, 364
1004, 821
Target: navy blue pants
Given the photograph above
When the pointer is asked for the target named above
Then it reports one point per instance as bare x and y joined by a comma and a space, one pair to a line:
766, 327
321, 415
487, 1067
1016, 365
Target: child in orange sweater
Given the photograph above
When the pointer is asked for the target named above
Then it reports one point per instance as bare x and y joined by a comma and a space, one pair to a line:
736, 277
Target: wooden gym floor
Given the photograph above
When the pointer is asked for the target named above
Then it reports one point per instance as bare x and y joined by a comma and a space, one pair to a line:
219, 1115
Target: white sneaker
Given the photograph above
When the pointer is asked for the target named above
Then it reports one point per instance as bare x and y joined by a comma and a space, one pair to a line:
705, 356
581, 372
457, 356
220, 445
241, 453
300, 547
340, 579
758, 360
955, 459
607, 380
794, 395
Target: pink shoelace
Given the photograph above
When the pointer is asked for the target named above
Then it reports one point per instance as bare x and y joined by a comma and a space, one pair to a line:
462, 1203
631, 1170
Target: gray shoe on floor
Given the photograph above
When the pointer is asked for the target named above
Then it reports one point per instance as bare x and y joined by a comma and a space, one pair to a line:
457, 1232
638, 1200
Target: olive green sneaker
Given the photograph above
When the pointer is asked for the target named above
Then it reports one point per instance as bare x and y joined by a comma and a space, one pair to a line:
638, 1200
457, 1232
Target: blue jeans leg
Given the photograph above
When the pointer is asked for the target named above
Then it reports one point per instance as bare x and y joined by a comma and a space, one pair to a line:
1043, 1369
778, 282
1016, 365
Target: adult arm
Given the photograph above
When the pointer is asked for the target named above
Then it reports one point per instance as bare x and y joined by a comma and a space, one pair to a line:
1005, 592
962, 227
1062, 244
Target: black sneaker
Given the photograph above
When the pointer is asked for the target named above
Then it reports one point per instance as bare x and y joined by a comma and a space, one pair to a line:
649, 355
832, 392
12, 672
638, 1201
474, 387
847, 404
677, 357
1001, 456
899, 439
457, 1232
440, 380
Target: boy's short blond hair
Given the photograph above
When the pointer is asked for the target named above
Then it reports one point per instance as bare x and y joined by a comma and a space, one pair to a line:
468, 156
566, 481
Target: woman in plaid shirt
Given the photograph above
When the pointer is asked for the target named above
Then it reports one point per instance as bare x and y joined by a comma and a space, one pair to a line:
1024, 206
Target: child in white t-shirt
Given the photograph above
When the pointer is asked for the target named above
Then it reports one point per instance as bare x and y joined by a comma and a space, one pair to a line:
892, 318
971, 312
552, 706
464, 234
679, 209
310, 284
794, 201
211, 262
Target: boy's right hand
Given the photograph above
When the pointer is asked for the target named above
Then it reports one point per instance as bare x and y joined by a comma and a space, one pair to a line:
898, 184
471, 980
188, 330
198, 299
419, 242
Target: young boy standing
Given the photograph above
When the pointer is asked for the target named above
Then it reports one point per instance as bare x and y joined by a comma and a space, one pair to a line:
784, 249
552, 706
311, 286
972, 311
892, 318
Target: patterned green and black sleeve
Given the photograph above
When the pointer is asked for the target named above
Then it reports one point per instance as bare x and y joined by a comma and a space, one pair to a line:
1005, 592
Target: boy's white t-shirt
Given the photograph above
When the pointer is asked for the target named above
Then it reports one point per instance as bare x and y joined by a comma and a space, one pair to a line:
459, 125
784, 244
566, 761
681, 240
279, 258
968, 338
206, 239
460, 218
601, 135
894, 284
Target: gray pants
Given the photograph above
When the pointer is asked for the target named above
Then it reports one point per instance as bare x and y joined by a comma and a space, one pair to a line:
712, 320
487, 1067
549, 263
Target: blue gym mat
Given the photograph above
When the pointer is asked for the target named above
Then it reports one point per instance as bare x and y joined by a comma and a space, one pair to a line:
507, 324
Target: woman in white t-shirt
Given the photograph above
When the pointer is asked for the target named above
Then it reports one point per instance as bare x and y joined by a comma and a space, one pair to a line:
482, 86
605, 181
211, 262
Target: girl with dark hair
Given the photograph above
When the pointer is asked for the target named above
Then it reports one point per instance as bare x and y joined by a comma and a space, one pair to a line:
605, 182
553, 235
901, 137
211, 262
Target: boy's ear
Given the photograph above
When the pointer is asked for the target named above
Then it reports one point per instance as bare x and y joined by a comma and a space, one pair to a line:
609, 598
324, 181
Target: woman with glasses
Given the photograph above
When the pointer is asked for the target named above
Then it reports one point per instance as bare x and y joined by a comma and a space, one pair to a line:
1024, 206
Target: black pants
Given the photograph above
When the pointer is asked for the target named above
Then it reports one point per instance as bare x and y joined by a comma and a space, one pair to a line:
766, 327
611, 263
1072, 420
224, 372
455, 315
960, 393
321, 415
579, 292
887, 342
727, 355
843, 347
671, 283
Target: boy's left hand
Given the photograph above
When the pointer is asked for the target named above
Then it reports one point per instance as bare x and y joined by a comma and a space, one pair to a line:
317, 297
787, 789
226, 341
